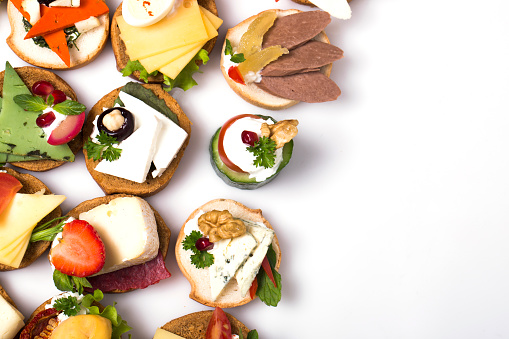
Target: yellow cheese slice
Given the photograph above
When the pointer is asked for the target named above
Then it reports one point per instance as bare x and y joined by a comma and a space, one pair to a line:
157, 61
16, 254
181, 28
15, 244
163, 334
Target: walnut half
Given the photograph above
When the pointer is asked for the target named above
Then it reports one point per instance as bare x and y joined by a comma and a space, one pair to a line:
281, 132
219, 225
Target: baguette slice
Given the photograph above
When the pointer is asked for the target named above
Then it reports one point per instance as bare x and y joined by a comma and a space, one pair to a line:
119, 48
194, 325
162, 230
250, 92
199, 278
111, 184
89, 44
32, 185
30, 75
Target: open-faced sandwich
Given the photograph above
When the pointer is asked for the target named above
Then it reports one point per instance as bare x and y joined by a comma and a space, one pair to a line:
248, 151
27, 209
135, 137
278, 58
164, 42
74, 315
58, 34
337, 8
11, 320
220, 250
41, 120
205, 325
115, 243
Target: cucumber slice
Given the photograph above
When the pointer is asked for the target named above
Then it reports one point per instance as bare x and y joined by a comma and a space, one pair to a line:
242, 180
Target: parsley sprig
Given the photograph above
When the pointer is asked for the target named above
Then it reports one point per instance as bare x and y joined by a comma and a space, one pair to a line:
35, 104
200, 259
70, 306
104, 149
265, 152
236, 58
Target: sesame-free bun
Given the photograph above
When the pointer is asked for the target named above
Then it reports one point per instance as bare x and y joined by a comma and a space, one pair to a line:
32, 185
111, 184
30, 75
199, 278
120, 51
89, 44
250, 92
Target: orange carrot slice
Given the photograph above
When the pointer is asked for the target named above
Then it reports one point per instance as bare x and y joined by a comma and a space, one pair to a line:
58, 44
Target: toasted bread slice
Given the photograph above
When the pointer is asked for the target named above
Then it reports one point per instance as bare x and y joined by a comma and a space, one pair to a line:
111, 184
32, 185
250, 92
119, 48
88, 45
195, 325
30, 75
162, 230
199, 278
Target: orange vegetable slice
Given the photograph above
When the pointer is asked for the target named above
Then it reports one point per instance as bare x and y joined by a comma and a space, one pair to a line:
9, 185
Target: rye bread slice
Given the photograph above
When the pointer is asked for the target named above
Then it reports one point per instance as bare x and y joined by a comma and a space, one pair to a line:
199, 278
111, 184
31, 75
194, 325
162, 230
31, 185
119, 49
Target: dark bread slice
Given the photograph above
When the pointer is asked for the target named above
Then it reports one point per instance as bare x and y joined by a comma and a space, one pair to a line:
162, 230
195, 325
31, 75
31, 185
111, 184
119, 48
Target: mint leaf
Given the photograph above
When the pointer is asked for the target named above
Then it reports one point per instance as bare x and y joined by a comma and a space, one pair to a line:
266, 291
30, 102
136, 65
264, 151
185, 79
70, 107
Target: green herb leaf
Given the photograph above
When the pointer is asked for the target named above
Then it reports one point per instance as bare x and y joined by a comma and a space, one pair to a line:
265, 152
46, 233
133, 66
50, 100
30, 102
80, 283
200, 259
189, 242
70, 107
228, 49
236, 58
253, 334
185, 79
266, 291
63, 282
104, 149
69, 306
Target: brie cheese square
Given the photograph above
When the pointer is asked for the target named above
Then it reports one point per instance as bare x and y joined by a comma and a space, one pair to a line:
11, 320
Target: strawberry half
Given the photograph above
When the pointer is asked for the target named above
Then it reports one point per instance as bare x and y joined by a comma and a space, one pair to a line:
80, 252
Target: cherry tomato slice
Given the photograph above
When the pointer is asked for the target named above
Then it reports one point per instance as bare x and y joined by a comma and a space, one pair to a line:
219, 326
253, 288
268, 270
220, 146
234, 74
9, 185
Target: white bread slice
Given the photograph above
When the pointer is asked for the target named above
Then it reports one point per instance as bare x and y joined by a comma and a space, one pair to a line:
199, 278
250, 92
89, 44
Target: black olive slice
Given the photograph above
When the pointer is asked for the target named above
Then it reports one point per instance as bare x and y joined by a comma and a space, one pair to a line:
125, 130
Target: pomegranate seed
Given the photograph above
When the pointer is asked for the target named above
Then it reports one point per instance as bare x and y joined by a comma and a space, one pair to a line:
42, 87
249, 138
204, 244
58, 96
46, 119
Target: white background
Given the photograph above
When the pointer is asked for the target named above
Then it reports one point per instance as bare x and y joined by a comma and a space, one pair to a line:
393, 213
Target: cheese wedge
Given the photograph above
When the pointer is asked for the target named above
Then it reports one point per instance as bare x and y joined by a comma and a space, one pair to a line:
163, 334
11, 320
128, 228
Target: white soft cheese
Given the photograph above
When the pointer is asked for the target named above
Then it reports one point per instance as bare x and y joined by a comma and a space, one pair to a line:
32, 7
87, 24
65, 3
337, 8
249, 77
128, 228
145, 13
237, 151
11, 320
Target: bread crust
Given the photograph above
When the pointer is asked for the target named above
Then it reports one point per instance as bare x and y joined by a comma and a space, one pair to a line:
111, 184
250, 92
120, 52
30, 75
199, 278
32, 185
163, 231
31, 53
4, 295
194, 325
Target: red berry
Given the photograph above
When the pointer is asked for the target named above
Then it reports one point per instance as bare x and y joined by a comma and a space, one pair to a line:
58, 96
46, 119
42, 87
249, 138
204, 244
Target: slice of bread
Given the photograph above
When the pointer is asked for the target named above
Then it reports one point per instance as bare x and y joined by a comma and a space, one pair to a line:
199, 278
119, 48
162, 230
32, 185
30, 75
111, 184
250, 92
88, 45
4, 295
195, 325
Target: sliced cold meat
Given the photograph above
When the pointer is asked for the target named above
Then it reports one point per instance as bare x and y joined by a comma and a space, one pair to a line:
296, 29
307, 87
306, 58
